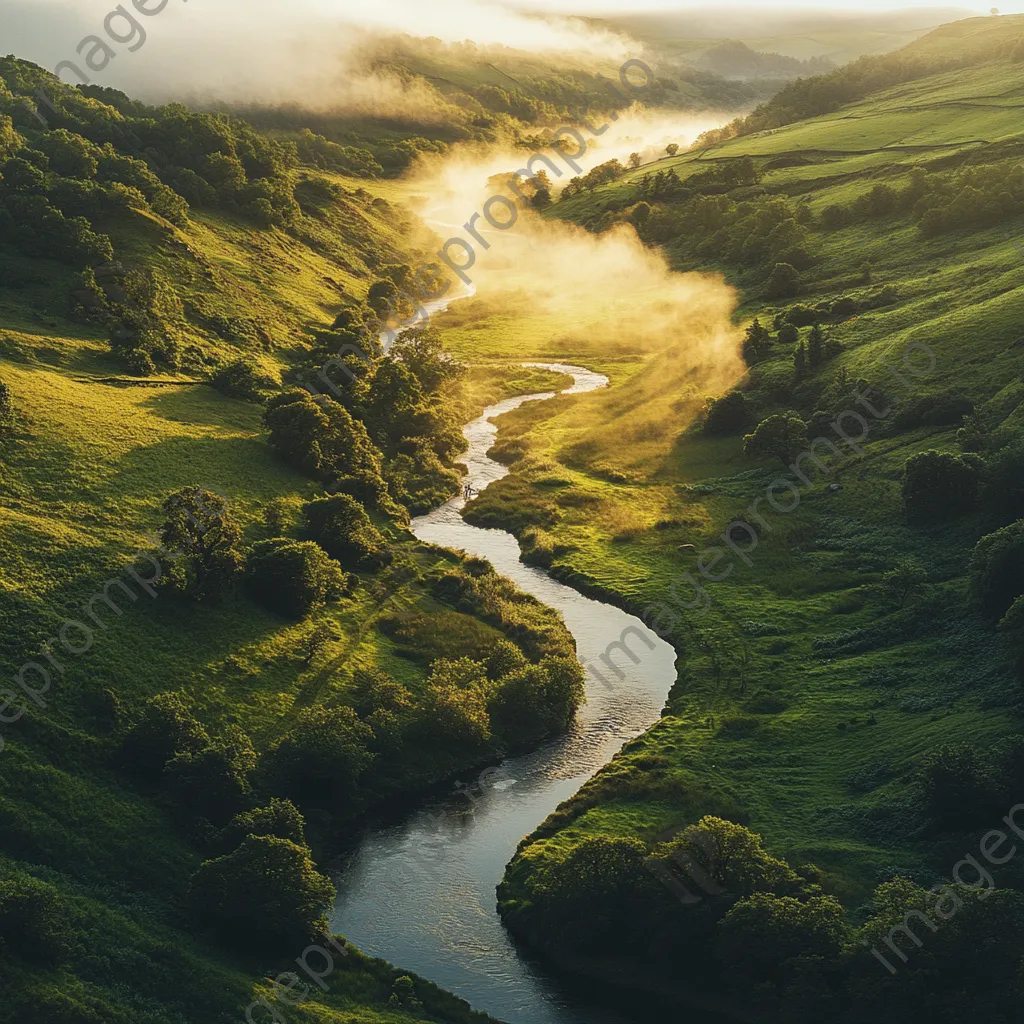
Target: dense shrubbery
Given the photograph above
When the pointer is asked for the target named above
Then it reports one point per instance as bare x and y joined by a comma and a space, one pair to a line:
938, 486
294, 577
997, 569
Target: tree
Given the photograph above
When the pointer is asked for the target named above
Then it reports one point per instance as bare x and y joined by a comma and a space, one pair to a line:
422, 351
789, 334
317, 641
1003, 485
165, 728
726, 415
275, 517
200, 528
997, 569
534, 702
905, 580
783, 282
322, 438
323, 756
33, 922
800, 359
756, 343
280, 818
240, 379
782, 436
266, 895
454, 706
640, 215
957, 785
938, 485
213, 783
541, 199
293, 577
762, 935
340, 525
672, 148
635, 161
727, 859
816, 346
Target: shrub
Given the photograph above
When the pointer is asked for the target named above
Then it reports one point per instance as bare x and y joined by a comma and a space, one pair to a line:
945, 410
938, 486
453, 712
782, 437
727, 415
1003, 484
322, 757
166, 727
201, 529
6, 409
957, 786
241, 379
535, 702
997, 569
789, 334
266, 895
340, 525
32, 921
213, 783
783, 282
279, 818
293, 577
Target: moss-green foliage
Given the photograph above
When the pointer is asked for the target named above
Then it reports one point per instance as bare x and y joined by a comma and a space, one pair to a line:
813, 701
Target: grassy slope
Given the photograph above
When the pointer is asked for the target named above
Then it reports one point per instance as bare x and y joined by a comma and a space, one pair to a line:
821, 758
80, 491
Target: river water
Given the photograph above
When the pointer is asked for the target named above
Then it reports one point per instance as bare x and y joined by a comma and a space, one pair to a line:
420, 892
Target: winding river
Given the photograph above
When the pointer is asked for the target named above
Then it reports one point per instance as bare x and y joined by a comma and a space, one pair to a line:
421, 892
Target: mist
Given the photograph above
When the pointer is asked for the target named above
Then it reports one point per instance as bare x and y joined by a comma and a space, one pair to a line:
310, 52
607, 294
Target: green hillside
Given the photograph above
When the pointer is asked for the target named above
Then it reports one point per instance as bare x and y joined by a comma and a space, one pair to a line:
221, 642
847, 689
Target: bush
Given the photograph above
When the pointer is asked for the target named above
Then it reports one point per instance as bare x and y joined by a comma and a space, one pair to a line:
536, 702
958, 787
6, 409
1003, 484
938, 486
266, 895
32, 921
294, 577
279, 818
213, 783
789, 334
323, 756
340, 525
201, 529
727, 415
997, 569
241, 379
165, 728
783, 282
944, 410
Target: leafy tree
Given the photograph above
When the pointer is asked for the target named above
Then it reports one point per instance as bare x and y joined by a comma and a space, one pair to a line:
789, 334
340, 525
783, 436
213, 783
997, 569
783, 282
641, 214
32, 921
317, 641
382, 297
422, 351
957, 785
454, 706
241, 379
938, 486
722, 855
165, 728
266, 895
1003, 483
279, 818
323, 756
275, 517
293, 577
726, 415
534, 702
816, 347
800, 359
905, 580
322, 438
672, 148
756, 343
634, 161
762, 935
201, 529
504, 657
